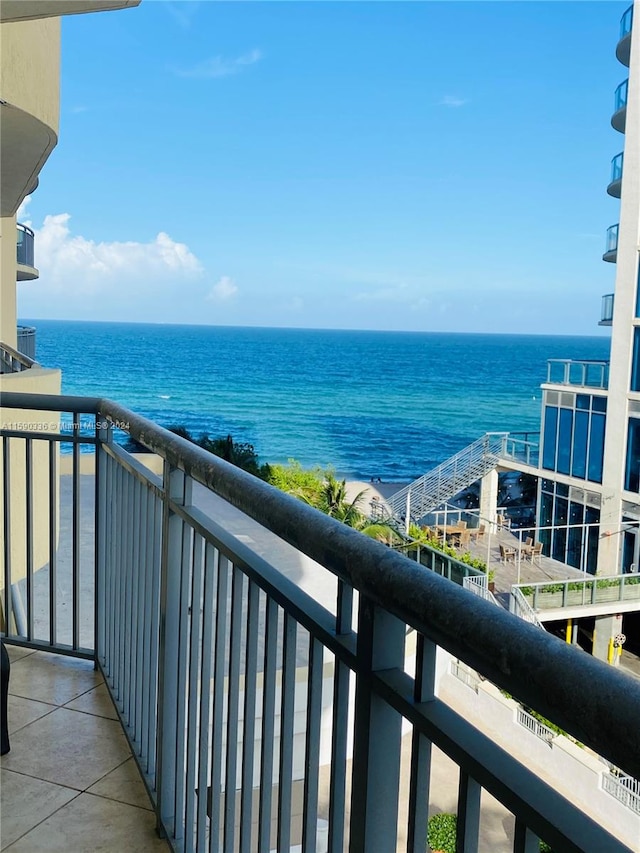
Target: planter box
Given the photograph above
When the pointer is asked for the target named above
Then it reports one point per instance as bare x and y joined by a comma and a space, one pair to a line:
547, 600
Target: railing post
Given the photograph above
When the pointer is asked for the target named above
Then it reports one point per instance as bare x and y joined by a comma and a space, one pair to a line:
525, 841
104, 435
468, 829
377, 735
177, 489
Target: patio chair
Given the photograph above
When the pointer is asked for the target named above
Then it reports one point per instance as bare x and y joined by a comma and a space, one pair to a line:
477, 532
507, 554
464, 539
536, 553
503, 522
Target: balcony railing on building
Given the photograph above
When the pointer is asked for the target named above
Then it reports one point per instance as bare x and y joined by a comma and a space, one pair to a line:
256, 708
623, 48
619, 117
26, 341
13, 361
606, 313
589, 374
611, 250
615, 184
25, 258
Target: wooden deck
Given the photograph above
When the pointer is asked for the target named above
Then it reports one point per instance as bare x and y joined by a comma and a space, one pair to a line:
522, 569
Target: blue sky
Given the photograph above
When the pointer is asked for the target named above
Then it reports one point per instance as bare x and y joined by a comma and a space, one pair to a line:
388, 165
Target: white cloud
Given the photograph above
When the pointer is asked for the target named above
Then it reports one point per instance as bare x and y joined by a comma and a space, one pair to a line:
22, 215
182, 12
452, 101
82, 278
224, 289
219, 66
393, 293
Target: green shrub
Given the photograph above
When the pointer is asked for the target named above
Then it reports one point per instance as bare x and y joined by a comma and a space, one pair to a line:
441, 832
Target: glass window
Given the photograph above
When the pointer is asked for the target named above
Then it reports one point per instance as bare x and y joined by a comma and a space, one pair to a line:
574, 544
596, 448
546, 511
632, 468
635, 361
592, 516
599, 404
583, 401
580, 434
564, 440
549, 443
629, 551
638, 294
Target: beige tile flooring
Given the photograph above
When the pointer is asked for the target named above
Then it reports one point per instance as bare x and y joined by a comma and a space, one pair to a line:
69, 784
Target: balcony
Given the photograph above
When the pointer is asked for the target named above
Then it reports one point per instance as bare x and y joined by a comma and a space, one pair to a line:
26, 343
279, 676
611, 251
583, 374
52, 793
619, 117
13, 361
25, 254
606, 315
615, 184
623, 48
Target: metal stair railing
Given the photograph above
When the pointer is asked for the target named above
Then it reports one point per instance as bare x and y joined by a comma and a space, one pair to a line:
521, 607
452, 476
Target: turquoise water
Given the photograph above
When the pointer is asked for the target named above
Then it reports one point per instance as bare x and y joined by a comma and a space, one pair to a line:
383, 404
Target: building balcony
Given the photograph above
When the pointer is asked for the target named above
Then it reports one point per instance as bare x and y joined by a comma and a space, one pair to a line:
70, 777
282, 680
623, 48
582, 374
25, 254
619, 117
27, 342
606, 315
13, 360
611, 251
615, 184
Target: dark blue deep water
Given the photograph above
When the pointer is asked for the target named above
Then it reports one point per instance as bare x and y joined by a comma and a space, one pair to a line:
383, 404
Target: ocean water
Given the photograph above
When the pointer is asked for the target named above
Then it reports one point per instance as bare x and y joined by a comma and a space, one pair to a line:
371, 404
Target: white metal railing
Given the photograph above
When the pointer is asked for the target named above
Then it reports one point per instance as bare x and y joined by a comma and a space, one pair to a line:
478, 585
239, 692
579, 592
521, 607
624, 788
586, 373
465, 674
535, 726
454, 474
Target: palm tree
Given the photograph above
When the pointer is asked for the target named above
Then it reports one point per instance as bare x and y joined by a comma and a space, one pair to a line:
334, 501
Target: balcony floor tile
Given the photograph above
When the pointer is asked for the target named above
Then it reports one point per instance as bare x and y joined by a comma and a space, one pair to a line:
96, 701
23, 711
69, 748
56, 679
124, 785
91, 824
59, 751
26, 802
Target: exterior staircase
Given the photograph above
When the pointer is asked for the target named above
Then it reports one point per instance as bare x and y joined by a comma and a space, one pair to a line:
452, 476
